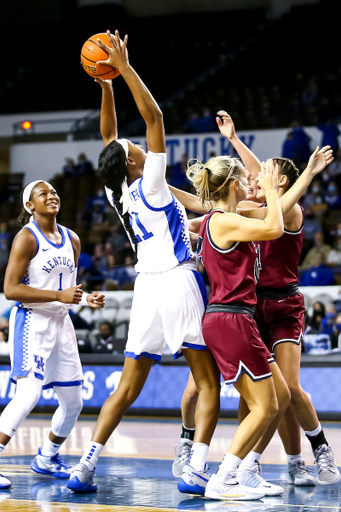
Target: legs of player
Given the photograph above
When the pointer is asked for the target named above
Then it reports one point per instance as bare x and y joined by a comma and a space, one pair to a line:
133, 378
288, 357
261, 399
26, 397
249, 472
206, 377
188, 404
48, 460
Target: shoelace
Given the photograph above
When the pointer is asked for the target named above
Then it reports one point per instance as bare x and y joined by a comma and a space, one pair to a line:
183, 451
61, 462
324, 460
301, 465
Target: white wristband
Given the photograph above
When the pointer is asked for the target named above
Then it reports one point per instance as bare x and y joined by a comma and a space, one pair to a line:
83, 301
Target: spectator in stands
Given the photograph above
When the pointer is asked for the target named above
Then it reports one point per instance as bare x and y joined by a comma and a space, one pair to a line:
300, 143
320, 247
310, 94
312, 225
88, 275
69, 169
118, 274
288, 149
178, 177
319, 311
105, 341
99, 199
99, 258
119, 242
330, 133
334, 168
327, 323
130, 269
319, 274
335, 337
4, 324
84, 167
332, 196
334, 256
315, 189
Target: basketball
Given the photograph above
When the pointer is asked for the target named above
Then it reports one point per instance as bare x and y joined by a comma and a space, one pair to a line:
91, 53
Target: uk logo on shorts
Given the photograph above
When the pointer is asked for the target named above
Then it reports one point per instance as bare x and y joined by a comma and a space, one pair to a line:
40, 363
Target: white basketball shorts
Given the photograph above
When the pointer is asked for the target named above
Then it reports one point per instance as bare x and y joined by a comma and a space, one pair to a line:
44, 342
167, 307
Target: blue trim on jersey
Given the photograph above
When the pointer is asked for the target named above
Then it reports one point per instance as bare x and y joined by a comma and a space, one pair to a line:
20, 342
35, 236
202, 286
176, 226
152, 208
49, 241
39, 376
177, 355
156, 357
67, 384
194, 346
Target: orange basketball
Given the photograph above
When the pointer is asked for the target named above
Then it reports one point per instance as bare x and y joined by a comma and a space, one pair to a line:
91, 53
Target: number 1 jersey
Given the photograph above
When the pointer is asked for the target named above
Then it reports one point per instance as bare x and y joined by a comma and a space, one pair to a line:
52, 267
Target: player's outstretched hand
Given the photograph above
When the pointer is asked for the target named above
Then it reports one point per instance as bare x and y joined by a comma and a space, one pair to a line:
319, 159
268, 176
117, 52
96, 300
225, 124
71, 295
103, 83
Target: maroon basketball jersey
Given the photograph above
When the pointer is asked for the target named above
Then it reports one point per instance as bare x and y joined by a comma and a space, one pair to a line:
279, 259
233, 272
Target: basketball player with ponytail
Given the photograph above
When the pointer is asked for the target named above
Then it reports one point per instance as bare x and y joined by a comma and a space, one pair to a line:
169, 294
41, 279
280, 309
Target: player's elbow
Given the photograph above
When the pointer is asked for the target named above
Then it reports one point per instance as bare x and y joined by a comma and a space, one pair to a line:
275, 232
8, 291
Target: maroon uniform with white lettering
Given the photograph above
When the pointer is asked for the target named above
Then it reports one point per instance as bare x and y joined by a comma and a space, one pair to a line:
280, 306
229, 330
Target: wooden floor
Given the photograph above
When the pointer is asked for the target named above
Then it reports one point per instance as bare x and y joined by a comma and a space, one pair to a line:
134, 473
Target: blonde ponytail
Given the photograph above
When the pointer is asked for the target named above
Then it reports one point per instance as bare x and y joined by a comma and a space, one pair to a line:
211, 180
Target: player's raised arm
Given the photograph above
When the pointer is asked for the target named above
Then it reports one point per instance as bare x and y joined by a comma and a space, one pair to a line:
108, 123
190, 201
148, 108
226, 127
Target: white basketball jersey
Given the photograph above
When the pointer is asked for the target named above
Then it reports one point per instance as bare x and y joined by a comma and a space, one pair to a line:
53, 265
159, 221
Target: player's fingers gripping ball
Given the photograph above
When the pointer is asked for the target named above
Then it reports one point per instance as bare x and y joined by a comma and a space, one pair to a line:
92, 53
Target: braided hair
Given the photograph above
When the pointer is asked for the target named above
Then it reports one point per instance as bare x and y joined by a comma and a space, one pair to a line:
113, 171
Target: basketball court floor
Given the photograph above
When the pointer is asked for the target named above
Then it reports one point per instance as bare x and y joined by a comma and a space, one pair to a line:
134, 473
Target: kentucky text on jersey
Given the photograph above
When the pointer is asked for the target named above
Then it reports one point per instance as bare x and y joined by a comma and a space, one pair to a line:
56, 261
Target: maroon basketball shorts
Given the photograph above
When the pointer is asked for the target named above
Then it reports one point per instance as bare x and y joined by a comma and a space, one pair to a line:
280, 320
234, 340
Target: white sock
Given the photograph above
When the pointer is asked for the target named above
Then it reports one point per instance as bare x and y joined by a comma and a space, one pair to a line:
229, 463
50, 449
250, 460
294, 458
91, 454
314, 433
198, 456
2, 447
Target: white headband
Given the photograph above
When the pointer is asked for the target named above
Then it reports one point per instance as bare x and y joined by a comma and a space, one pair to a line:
27, 193
125, 145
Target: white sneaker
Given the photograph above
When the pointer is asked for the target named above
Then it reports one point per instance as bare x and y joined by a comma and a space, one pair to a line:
299, 474
53, 466
251, 478
82, 479
327, 472
226, 487
4, 483
183, 452
193, 481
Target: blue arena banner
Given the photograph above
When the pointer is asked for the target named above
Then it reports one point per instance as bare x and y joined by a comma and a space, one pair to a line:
165, 385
